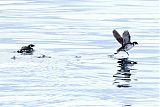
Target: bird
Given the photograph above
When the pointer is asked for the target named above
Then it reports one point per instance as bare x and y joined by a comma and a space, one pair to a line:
26, 49
124, 40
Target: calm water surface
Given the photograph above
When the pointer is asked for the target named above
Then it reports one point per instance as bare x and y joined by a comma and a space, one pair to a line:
77, 35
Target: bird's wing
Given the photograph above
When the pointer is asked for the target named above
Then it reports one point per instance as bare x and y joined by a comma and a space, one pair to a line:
23, 47
118, 36
126, 37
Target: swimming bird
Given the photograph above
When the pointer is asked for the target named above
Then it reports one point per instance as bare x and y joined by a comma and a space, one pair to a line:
124, 41
26, 49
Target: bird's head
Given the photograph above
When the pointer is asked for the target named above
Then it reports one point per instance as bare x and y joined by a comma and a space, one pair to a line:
135, 43
31, 45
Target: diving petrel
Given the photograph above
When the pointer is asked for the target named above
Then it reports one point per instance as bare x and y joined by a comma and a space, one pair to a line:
124, 41
26, 49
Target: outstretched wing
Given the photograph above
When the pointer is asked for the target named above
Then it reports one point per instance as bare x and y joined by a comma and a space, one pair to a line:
118, 36
126, 37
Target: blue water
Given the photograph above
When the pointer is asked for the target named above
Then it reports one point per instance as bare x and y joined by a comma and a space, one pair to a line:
82, 71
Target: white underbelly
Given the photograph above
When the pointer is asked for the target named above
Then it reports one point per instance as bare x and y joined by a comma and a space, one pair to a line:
128, 47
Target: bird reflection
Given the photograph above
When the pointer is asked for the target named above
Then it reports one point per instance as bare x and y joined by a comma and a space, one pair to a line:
123, 75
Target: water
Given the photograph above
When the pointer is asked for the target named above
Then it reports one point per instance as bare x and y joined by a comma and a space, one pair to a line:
77, 35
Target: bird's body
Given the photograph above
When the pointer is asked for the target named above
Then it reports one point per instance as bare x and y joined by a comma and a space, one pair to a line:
126, 47
124, 41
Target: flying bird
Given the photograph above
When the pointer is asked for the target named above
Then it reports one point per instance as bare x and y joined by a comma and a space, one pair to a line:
124, 40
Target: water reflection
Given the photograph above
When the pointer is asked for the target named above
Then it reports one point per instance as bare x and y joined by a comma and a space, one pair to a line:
123, 75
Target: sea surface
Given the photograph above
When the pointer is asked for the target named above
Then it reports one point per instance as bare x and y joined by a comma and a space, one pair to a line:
79, 68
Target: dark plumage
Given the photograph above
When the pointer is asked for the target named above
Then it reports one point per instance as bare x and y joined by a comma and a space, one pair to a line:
26, 49
124, 41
